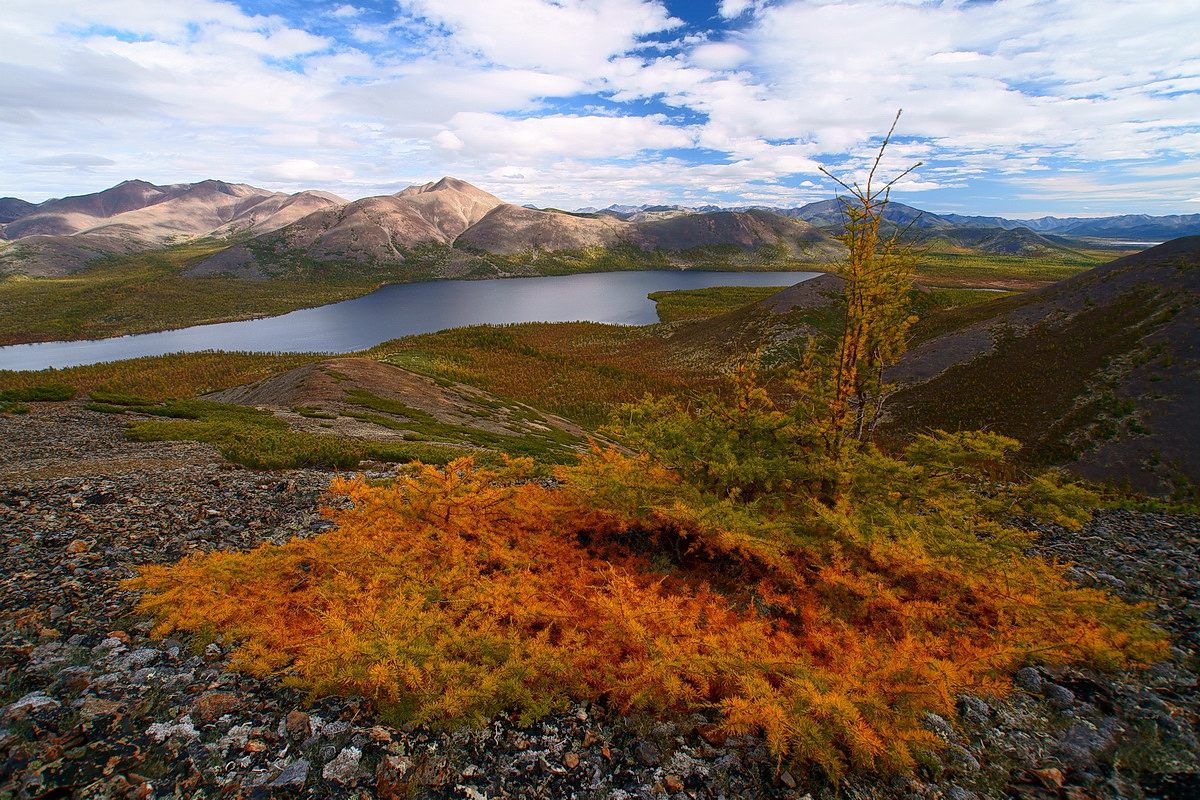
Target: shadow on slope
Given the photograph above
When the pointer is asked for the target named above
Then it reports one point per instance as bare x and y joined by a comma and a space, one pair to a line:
1098, 373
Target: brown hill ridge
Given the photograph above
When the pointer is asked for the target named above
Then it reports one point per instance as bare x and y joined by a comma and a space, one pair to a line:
454, 214
319, 235
61, 236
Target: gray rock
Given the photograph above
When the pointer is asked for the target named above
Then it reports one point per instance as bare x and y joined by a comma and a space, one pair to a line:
935, 723
1060, 697
345, 767
974, 710
1029, 679
294, 775
1083, 743
961, 759
335, 728
646, 754
32, 702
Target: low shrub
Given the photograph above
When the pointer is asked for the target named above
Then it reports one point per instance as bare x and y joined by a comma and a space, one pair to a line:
38, 393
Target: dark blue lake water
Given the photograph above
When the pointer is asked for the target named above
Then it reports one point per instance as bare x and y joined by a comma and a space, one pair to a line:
403, 309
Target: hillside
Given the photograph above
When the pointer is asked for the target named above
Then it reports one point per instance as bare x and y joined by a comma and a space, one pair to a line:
12, 208
358, 398
59, 237
1098, 372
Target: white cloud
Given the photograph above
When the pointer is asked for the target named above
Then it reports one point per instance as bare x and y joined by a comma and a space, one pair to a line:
554, 96
302, 170
573, 37
734, 8
476, 135
1009, 73
72, 160
719, 55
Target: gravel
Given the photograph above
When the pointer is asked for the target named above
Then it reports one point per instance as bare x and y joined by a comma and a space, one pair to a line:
91, 706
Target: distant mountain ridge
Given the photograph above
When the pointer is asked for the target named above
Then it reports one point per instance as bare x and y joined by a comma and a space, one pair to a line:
828, 214
486, 237
63, 235
480, 235
443, 229
1127, 226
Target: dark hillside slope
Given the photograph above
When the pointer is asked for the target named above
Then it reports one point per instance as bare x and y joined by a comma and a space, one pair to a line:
776, 328
13, 208
1099, 372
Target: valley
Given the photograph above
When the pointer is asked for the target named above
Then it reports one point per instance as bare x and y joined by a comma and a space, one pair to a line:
139, 258
505, 501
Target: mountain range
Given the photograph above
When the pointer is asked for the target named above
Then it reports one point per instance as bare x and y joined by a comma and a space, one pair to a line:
450, 228
443, 229
63, 235
828, 214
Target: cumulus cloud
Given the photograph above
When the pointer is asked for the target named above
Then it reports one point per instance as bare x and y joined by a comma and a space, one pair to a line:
492, 135
573, 37
719, 55
554, 96
302, 170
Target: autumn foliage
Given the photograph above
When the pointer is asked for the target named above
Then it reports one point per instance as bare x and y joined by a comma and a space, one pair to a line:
459, 592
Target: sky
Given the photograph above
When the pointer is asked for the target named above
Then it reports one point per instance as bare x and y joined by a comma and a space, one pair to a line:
1018, 108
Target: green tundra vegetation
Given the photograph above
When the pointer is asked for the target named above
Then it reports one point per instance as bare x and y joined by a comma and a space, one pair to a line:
750, 550
158, 378
686, 304
146, 292
1005, 271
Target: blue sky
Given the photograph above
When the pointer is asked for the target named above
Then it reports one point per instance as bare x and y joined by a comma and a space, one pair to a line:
1014, 107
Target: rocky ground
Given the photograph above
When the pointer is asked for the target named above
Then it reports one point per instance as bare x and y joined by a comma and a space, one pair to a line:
91, 706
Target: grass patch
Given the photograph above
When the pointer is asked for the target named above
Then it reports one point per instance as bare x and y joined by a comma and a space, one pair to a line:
258, 440
984, 269
38, 393
159, 378
548, 446
12, 401
582, 371
944, 310
1011, 391
687, 304
312, 412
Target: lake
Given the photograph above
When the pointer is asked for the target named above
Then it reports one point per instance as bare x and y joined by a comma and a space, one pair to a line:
397, 310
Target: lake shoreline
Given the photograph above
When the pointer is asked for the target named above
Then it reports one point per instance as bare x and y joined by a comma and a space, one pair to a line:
403, 309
